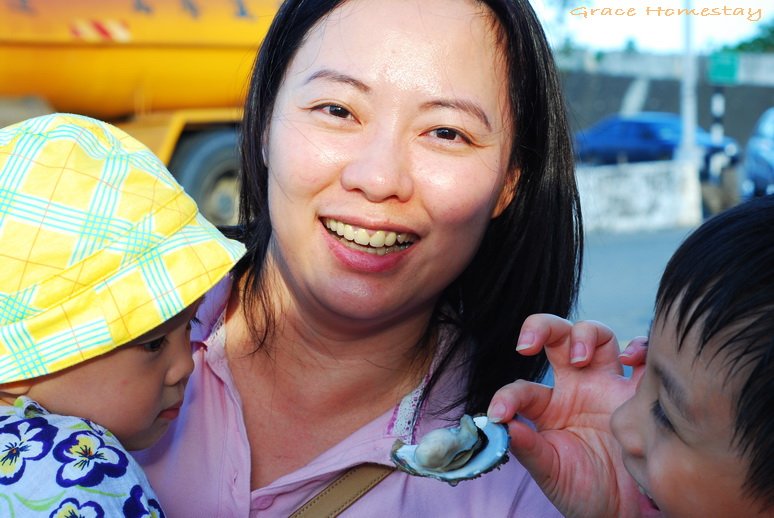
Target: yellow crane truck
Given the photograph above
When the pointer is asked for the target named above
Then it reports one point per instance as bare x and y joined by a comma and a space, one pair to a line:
172, 73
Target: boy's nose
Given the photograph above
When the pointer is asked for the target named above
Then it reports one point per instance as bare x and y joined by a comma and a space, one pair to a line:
380, 169
626, 429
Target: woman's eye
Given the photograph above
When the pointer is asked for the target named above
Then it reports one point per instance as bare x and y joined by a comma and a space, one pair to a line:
154, 345
335, 110
661, 418
449, 134
446, 133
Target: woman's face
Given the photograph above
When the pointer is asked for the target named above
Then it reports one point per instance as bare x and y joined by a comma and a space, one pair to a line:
387, 155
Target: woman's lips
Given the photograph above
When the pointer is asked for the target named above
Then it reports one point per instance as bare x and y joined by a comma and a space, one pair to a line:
374, 241
384, 254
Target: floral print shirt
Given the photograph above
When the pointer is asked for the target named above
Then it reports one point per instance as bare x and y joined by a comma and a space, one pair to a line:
67, 467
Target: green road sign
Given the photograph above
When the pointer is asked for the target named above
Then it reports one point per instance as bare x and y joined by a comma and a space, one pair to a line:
723, 67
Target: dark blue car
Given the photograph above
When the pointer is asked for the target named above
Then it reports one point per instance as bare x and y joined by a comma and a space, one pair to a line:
758, 168
644, 137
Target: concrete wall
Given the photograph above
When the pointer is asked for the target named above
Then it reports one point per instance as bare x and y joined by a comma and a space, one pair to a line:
597, 85
642, 196
752, 69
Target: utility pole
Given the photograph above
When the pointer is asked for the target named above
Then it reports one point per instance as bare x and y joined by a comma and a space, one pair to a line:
688, 159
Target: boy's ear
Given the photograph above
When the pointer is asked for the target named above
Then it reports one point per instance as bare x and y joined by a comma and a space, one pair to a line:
507, 193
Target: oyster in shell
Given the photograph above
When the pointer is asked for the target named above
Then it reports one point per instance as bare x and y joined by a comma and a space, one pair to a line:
462, 452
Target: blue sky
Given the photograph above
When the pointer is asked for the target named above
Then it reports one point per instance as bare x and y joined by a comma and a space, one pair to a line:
648, 24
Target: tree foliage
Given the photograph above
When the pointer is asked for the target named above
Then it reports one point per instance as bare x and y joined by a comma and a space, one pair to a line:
761, 42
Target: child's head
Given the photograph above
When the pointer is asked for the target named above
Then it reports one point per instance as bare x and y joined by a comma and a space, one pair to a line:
698, 436
103, 261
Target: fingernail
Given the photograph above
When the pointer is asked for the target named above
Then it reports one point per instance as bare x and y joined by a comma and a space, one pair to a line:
526, 339
496, 412
628, 351
578, 353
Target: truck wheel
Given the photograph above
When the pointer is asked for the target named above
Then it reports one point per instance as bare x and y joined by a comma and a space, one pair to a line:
207, 165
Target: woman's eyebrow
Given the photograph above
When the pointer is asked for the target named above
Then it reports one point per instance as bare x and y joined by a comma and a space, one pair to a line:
468, 107
338, 77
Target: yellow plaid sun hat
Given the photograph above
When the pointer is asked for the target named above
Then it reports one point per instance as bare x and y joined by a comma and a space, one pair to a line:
98, 244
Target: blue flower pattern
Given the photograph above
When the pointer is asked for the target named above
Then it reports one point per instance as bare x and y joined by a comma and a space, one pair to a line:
22, 442
86, 460
68, 467
71, 508
135, 506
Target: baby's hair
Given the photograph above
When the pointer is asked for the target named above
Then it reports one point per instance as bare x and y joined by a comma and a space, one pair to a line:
720, 281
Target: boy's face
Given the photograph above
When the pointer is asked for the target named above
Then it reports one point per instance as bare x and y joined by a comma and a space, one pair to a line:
134, 391
676, 432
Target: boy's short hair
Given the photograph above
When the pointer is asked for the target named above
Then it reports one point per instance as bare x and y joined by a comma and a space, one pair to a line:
100, 244
720, 281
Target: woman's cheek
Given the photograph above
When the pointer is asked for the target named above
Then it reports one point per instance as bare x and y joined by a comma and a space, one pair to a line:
460, 198
310, 166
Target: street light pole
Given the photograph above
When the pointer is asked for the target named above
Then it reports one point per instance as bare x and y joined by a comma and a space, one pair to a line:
688, 153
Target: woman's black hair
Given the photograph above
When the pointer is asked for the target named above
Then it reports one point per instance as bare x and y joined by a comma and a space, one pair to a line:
530, 258
720, 281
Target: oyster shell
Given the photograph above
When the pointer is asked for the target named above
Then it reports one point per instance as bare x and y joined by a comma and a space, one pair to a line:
462, 452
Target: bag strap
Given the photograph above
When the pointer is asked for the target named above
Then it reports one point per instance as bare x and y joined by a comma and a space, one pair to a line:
344, 491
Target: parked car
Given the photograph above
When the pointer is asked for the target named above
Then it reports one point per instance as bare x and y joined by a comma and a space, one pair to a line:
758, 166
646, 136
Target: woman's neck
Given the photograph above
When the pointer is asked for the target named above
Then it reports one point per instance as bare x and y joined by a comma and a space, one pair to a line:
310, 386
306, 341
304, 350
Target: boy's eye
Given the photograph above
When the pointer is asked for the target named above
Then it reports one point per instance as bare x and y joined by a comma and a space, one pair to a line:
661, 418
154, 345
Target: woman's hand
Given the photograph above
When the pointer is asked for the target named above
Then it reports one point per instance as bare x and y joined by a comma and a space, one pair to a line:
572, 453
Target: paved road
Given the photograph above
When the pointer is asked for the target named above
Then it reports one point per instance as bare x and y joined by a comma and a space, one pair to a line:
620, 278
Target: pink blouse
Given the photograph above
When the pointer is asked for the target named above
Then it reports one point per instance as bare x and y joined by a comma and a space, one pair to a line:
201, 468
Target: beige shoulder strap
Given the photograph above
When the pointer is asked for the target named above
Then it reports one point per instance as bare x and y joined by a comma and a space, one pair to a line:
344, 491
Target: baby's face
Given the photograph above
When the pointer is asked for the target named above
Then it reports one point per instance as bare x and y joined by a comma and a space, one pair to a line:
134, 391
676, 432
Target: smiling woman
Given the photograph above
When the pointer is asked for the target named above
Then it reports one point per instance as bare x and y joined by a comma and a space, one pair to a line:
408, 198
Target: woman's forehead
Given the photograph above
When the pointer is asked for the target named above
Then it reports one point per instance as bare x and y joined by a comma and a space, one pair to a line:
434, 46
440, 21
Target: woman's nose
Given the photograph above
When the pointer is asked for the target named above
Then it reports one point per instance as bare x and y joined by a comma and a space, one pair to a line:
380, 169
627, 429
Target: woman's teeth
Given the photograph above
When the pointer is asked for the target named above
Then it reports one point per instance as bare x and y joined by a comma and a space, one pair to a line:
378, 242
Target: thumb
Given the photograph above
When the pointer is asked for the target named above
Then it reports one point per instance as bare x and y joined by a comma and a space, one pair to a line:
534, 452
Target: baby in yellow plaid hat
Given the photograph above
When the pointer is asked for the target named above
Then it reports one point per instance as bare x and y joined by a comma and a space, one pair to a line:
103, 260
